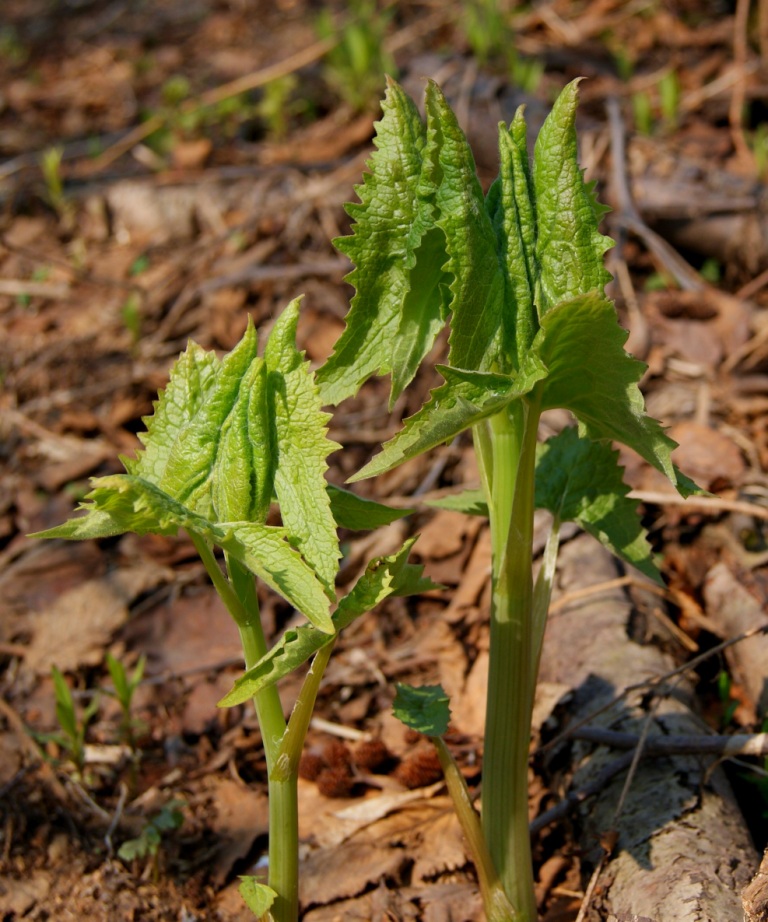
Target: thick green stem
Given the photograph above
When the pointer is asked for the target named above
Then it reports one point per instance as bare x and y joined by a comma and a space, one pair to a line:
512, 674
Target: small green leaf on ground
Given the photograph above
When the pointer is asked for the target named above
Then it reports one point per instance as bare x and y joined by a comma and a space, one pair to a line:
258, 897
423, 709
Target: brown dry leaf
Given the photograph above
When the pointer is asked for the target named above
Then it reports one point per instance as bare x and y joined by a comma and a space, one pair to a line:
709, 457
10, 756
349, 869
328, 822
192, 154
734, 610
19, 896
473, 580
200, 705
444, 534
468, 708
241, 816
329, 140
195, 631
358, 909
445, 851
74, 630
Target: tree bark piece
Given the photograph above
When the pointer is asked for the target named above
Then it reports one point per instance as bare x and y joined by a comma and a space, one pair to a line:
755, 896
682, 852
734, 610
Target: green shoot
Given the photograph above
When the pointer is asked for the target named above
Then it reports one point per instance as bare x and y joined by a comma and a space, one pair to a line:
520, 274
353, 68
643, 112
669, 98
124, 689
275, 106
426, 710
50, 166
490, 34
73, 726
147, 843
230, 437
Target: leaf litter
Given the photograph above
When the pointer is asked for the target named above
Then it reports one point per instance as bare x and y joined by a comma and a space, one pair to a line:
169, 248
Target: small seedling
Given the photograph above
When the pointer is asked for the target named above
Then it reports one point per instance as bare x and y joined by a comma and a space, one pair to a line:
642, 110
50, 165
490, 34
353, 68
124, 687
73, 726
147, 843
669, 99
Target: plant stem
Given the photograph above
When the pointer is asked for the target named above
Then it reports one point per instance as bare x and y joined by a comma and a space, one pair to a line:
283, 793
239, 595
497, 906
291, 746
511, 673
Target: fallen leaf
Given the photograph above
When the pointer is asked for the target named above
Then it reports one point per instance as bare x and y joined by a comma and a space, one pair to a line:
74, 630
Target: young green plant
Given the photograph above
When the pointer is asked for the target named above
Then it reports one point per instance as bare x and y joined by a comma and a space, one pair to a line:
229, 436
520, 274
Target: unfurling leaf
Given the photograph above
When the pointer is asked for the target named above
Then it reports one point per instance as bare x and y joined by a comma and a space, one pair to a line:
301, 448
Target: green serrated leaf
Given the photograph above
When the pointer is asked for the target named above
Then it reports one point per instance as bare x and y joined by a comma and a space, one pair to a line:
392, 216
423, 312
466, 398
133, 504
192, 379
425, 709
384, 576
267, 552
136, 505
569, 248
477, 288
302, 447
582, 345
470, 502
92, 525
581, 481
212, 459
359, 514
511, 206
258, 897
